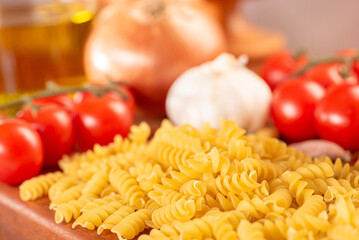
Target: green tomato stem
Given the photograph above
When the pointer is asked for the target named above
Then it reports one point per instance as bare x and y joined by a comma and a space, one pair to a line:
346, 60
96, 90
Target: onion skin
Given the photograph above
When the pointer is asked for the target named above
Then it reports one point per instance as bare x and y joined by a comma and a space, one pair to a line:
318, 147
148, 50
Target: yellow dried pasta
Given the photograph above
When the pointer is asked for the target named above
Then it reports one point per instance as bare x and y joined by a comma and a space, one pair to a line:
188, 183
38, 187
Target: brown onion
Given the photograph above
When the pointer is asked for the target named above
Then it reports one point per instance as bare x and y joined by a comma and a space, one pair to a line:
148, 44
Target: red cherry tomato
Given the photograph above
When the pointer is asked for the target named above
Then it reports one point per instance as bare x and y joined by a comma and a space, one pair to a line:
62, 100
337, 116
99, 119
280, 66
329, 74
21, 152
130, 101
55, 126
351, 52
293, 107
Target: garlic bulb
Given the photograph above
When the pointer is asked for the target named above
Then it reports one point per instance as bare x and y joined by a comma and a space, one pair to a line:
223, 88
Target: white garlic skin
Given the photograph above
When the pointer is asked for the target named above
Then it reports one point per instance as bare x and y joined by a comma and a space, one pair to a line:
223, 88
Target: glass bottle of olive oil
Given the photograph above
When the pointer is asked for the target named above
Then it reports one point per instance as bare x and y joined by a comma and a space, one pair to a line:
42, 40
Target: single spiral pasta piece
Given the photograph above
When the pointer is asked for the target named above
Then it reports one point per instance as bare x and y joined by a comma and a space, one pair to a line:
145, 169
152, 205
115, 218
122, 160
239, 149
108, 191
88, 170
219, 163
166, 197
210, 180
274, 230
280, 200
139, 133
70, 210
198, 162
335, 192
100, 151
343, 211
247, 230
132, 225
95, 217
193, 229
72, 193
101, 201
70, 165
263, 190
178, 178
297, 187
146, 182
61, 185
190, 172
229, 130
180, 139
171, 183
96, 184
169, 196
38, 187
276, 150
225, 203
340, 170
331, 187
194, 188
127, 187
266, 170
256, 207
308, 215
181, 210
237, 183
169, 156
207, 133
234, 217
121, 145
321, 170
353, 178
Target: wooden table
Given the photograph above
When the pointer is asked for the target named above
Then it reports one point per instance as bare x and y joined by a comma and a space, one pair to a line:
34, 221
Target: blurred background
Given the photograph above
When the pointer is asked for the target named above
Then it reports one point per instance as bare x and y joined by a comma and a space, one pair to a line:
320, 26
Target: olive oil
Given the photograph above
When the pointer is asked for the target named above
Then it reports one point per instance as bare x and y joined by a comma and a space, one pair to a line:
42, 42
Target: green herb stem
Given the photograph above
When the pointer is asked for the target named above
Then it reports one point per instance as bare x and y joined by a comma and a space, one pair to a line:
96, 90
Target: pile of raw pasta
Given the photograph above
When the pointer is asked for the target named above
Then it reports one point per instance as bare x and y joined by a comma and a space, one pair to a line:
188, 183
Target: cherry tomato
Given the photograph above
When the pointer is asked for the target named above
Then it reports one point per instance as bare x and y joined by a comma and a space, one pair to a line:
280, 66
351, 52
293, 107
99, 119
21, 151
337, 116
329, 74
62, 100
130, 101
55, 126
